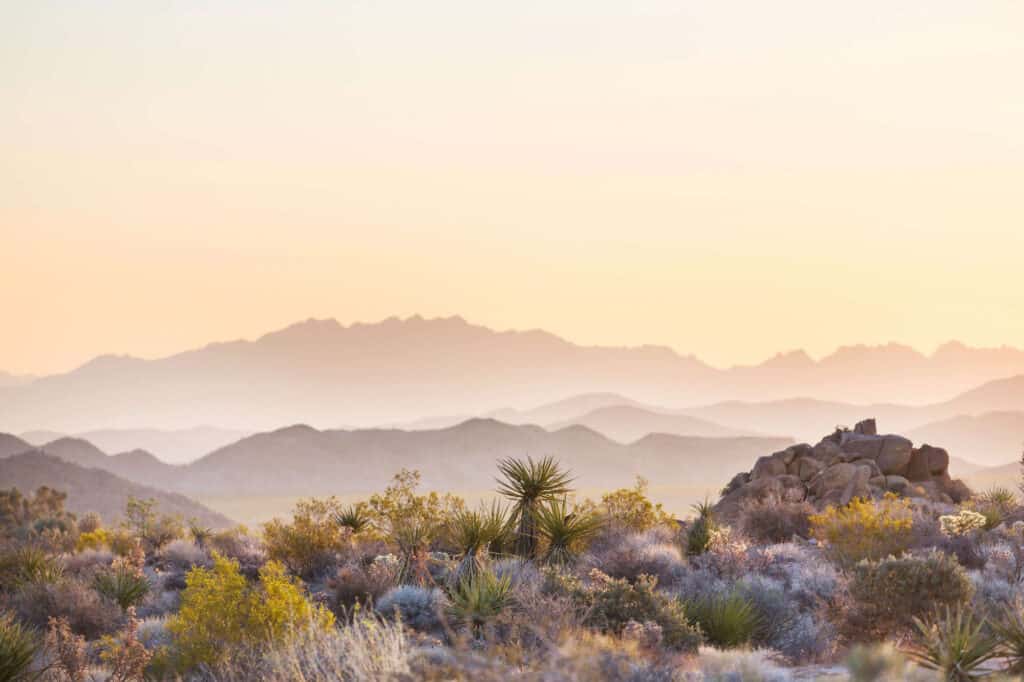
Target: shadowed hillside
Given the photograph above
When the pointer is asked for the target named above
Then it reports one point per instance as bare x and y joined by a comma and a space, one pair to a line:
96, 490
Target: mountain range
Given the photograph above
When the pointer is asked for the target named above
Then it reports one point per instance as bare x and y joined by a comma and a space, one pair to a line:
327, 374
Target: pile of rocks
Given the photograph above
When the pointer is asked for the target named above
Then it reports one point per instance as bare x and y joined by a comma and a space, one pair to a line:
844, 465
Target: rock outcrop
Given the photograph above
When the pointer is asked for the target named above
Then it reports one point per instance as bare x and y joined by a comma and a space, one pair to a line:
845, 465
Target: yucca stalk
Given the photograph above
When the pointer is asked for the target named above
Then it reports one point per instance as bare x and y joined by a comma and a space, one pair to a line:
953, 643
564, 531
355, 517
474, 531
529, 484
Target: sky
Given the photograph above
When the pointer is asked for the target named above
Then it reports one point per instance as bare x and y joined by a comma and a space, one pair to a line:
731, 179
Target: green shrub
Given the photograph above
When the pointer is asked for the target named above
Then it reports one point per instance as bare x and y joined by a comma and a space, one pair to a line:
310, 542
564, 532
477, 601
122, 583
609, 604
953, 643
702, 531
154, 530
221, 613
727, 620
28, 564
889, 594
630, 509
18, 648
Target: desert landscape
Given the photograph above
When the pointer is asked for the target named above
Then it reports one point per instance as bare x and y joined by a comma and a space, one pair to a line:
660, 341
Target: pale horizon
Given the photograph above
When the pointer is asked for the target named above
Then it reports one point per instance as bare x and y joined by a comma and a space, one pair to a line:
730, 180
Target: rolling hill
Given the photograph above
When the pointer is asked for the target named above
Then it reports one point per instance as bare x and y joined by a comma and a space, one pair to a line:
992, 438
12, 445
96, 490
172, 446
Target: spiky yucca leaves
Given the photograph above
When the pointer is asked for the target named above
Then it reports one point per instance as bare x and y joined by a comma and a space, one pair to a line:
701, 533
28, 564
18, 647
123, 584
1010, 631
200, 534
413, 540
529, 484
564, 531
473, 531
953, 643
478, 601
355, 517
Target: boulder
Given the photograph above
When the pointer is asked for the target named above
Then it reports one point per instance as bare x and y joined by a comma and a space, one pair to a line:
827, 452
863, 447
927, 461
895, 455
896, 484
783, 488
808, 467
835, 477
866, 427
766, 467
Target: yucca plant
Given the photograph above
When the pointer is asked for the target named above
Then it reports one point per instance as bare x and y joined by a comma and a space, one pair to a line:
530, 484
413, 540
727, 620
1009, 628
473, 531
701, 533
200, 533
355, 517
28, 564
18, 648
122, 584
477, 601
564, 531
953, 643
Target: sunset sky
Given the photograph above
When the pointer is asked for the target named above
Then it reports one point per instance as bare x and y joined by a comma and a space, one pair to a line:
727, 178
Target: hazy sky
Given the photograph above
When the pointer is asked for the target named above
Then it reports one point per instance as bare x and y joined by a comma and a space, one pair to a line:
728, 178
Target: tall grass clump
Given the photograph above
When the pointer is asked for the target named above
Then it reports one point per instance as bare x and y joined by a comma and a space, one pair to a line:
728, 620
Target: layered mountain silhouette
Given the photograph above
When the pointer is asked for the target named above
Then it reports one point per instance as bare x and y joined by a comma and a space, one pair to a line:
301, 460
96, 490
326, 374
172, 446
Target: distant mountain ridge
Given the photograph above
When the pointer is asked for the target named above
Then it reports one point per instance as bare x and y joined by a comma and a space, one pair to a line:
324, 373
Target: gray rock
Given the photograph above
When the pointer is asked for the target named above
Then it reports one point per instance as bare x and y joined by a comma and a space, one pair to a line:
766, 467
863, 447
827, 452
895, 455
866, 427
808, 467
896, 484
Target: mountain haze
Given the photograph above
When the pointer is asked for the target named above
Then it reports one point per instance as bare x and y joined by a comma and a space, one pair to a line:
326, 374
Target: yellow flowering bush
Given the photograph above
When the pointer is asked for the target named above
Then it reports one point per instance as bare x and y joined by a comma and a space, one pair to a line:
865, 529
95, 539
222, 613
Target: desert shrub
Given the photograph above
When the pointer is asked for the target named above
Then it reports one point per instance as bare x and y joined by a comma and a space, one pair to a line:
726, 620
358, 584
238, 545
152, 632
889, 594
311, 542
611, 603
87, 562
962, 523
90, 523
125, 657
367, 650
123, 583
564, 532
771, 522
221, 613
792, 622
153, 530
523, 575
995, 504
478, 600
865, 529
28, 564
420, 608
18, 648
878, 663
355, 517
39, 518
183, 555
631, 510
67, 650
159, 602
713, 665
93, 539
954, 643
122, 541
85, 611
633, 555
401, 505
